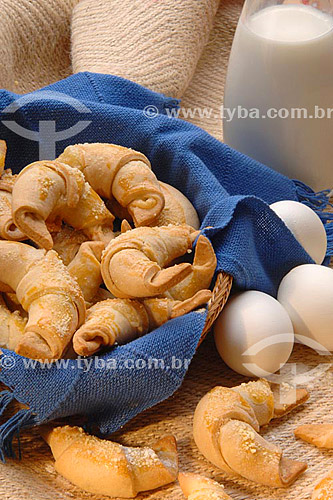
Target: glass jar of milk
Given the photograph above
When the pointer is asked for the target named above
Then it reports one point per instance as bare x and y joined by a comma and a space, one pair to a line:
278, 105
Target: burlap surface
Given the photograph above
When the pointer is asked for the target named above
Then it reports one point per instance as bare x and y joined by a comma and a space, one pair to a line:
35, 51
34, 477
155, 43
174, 47
34, 43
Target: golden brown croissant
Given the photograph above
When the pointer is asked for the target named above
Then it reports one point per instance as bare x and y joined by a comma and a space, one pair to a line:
122, 320
50, 190
102, 294
203, 268
67, 242
3, 152
135, 263
8, 230
324, 489
107, 468
178, 210
321, 435
12, 326
196, 487
86, 268
225, 428
49, 294
121, 173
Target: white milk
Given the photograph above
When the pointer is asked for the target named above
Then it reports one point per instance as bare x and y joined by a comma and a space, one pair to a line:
282, 57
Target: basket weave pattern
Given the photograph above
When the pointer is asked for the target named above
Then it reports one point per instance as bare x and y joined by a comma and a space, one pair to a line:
217, 302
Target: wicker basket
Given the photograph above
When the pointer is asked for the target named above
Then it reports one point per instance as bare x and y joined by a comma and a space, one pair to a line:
219, 298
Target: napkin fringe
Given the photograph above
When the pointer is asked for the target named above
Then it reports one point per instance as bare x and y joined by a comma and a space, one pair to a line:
11, 428
319, 202
6, 397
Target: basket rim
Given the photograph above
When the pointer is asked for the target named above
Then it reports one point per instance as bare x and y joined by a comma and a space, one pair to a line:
220, 295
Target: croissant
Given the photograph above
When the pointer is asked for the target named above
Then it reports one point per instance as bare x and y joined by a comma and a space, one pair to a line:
178, 210
225, 428
121, 173
107, 468
12, 326
122, 320
3, 152
196, 487
67, 242
8, 230
101, 295
13, 304
45, 289
321, 435
49, 190
203, 268
324, 489
133, 263
86, 268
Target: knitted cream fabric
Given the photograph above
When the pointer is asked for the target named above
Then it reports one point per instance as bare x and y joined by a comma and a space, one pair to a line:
156, 43
34, 43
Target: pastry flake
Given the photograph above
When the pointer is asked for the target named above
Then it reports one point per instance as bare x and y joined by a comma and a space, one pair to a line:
196, 487
320, 435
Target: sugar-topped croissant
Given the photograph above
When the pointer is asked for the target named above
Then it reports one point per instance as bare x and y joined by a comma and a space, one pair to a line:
86, 268
178, 210
135, 263
107, 468
67, 242
49, 294
8, 229
225, 428
122, 320
12, 326
196, 487
3, 152
203, 268
102, 294
117, 172
324, 489
50, 190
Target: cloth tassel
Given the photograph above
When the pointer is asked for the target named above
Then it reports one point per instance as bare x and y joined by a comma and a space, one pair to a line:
11, 428
6, 397
319, 202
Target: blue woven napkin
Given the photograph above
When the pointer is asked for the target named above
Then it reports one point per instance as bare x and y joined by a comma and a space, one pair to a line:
231, 193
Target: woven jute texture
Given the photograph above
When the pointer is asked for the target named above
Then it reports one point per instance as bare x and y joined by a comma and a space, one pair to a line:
34, 477
155, 43
175, 47
35, 50
34, 43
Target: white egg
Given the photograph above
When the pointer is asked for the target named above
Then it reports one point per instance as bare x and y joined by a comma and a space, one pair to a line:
254, 334
306, 292
305, 225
